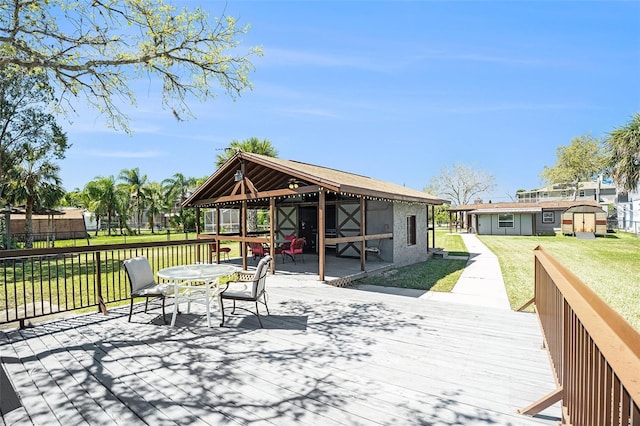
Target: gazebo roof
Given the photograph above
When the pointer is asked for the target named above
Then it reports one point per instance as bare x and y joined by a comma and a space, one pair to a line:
266, 177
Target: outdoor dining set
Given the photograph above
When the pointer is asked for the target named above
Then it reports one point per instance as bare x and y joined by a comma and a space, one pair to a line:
289, 246
199, 284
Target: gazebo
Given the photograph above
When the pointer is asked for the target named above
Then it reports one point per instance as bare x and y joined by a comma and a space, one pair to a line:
330, 208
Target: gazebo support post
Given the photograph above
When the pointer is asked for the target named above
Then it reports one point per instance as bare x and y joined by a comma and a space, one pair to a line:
243, 233
363, 233
198, 257
217, 240
272, 213
321, 233
433, 225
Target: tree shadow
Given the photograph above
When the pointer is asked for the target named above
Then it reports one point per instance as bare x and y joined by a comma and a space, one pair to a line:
302, 367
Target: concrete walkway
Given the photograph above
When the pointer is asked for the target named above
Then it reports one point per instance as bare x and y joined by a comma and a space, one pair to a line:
481, 281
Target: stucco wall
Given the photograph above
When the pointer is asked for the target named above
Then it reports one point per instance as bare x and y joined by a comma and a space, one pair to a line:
404, 254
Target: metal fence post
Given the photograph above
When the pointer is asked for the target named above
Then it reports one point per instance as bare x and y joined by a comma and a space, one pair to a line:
101, 306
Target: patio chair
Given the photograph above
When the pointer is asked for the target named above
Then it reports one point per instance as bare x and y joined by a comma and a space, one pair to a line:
297, 247
257, 250
375, 250
249, 287
143, 284
224, 250
289, 239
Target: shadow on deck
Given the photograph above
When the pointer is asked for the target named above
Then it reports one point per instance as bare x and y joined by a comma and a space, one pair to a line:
327, 356
339, 271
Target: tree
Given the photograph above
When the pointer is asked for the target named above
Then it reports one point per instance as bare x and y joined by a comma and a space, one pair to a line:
25, 126
133, 183
582, 160
624, 154
461, 183
94, 48
153, 194
252, 145
255, 146
37, 183
177, 189
442, 214
76, 198
106, 199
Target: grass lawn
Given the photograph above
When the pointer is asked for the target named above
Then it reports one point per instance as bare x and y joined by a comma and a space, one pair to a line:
433, 274
144, 237
610, 266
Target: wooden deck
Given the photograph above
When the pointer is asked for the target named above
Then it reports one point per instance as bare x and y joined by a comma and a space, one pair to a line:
327, 356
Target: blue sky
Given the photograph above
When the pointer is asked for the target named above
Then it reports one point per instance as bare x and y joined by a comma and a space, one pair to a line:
396, 91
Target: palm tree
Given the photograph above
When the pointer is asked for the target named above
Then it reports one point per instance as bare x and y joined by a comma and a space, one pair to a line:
105, 199
38, 185
177, 189
624, 160
153, 194
133, 183
252, 145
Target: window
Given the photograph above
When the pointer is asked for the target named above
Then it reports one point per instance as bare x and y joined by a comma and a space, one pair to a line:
545, 195
581, 193
411, 230
505, 221
548, 217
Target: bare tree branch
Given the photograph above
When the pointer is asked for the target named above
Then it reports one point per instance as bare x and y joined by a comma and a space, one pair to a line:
95, 49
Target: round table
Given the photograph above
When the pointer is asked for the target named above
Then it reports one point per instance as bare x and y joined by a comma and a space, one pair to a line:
198, 272
184, 290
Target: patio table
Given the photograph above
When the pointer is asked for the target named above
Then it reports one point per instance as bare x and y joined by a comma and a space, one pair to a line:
184, 289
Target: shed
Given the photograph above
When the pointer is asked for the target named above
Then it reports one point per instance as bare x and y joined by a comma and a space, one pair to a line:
584, 218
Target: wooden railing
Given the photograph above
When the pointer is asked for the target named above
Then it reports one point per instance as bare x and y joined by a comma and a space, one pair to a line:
40, 282
595, 353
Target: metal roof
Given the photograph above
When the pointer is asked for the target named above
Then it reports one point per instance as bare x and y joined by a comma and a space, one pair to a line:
270, 177
507, 210
545, 205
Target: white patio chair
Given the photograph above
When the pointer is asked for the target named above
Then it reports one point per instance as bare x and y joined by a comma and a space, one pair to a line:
143, 284
375, 250
248, 288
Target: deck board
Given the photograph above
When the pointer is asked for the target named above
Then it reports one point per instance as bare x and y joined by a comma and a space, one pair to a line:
326, 356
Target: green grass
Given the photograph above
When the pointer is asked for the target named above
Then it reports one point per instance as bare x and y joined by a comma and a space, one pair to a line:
433, 274
144, 237
610, 266
451, 243
70, 282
